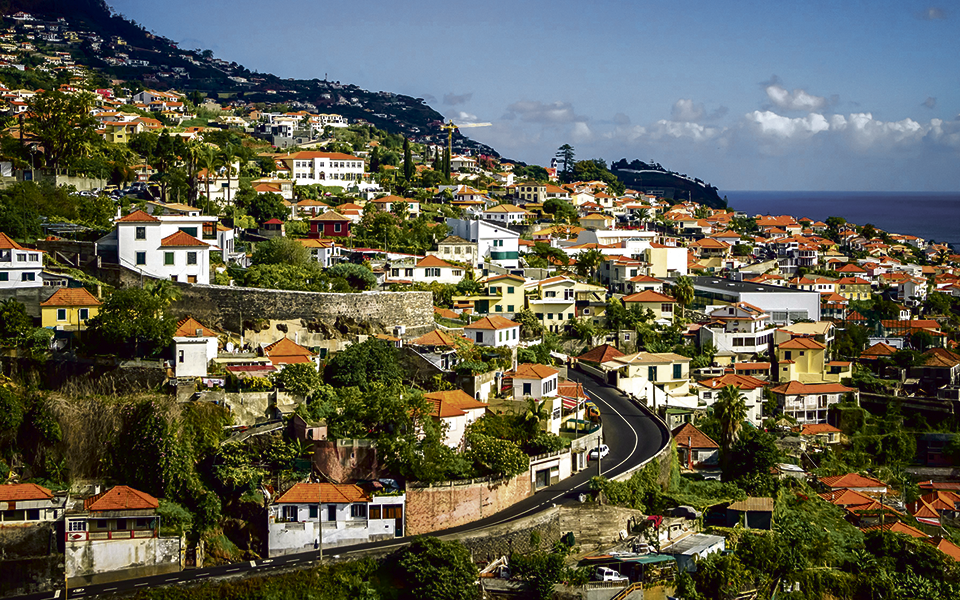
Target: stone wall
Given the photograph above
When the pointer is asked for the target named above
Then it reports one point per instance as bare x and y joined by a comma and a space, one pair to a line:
450, 504
106, 561
223, 307
30, 298
514, 536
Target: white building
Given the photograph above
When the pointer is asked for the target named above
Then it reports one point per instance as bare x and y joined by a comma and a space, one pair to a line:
737, 329
325, 168
194, 346
336, 514
534, 381
28, 504
809, 402
165, 247
494, 331
750, 387
19, 267
325, 252
506, 214
457, 410
430, 268
496, 244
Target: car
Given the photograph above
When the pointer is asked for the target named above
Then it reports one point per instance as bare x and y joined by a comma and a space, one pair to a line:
608, 574
600, 452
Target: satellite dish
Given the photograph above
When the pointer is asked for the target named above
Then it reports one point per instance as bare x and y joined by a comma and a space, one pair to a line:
230, 346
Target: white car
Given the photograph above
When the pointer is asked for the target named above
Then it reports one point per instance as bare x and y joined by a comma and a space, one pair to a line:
600, 452
607, 574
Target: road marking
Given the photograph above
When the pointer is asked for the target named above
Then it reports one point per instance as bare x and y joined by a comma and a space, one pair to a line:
172, 579
139, 584
56, 594
78, 590
253, 563
204, 575
268, 561
294, 560
636, 438
232, 570
109, 589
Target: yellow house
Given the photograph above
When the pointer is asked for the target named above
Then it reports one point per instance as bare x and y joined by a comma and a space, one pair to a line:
68, 309
853, 288
801, 359
662, 306
504, 296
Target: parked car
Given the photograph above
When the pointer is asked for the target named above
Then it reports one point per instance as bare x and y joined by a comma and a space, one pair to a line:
600, 452
608, 574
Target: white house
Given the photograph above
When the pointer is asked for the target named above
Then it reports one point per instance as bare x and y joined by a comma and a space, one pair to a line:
737, 329
29, 503
661, 379
19, 267
165, 246
336, 514
496, 244
325, 252
809, 402
325, 168
388, 203
534, 381
751, 389
457, 410
494, 331
505, 214
430, 268
194, 346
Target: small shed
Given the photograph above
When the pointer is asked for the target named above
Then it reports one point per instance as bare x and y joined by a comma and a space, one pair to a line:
752, 513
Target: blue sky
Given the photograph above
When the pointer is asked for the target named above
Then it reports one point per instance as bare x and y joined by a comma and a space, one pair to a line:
745, 95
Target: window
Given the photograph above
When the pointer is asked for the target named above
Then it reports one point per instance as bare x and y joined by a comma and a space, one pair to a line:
358, 511
652, 373
144, 524
677, 371
666, 308
34, 257
560, 316
337, 227
21, 258
374, 512
101, 524
290, 513
33, 514
191, 278
191, 258
77, 526
191, 231
510, 308
83, 314
498, 308
331, 512
527, 389
168, 258
457, 273
509, 289
61, 314
4, 276
515, 333
550, 316
787, 355
314, 511
121, 524
141, 258
29, 277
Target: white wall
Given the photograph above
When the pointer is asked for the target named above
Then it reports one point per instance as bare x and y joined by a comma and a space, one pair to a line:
99, 556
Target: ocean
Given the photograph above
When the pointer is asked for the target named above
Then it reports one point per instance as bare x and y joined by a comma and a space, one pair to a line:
931, 215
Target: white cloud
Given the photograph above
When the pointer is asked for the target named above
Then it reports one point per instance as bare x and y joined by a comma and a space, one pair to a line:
798, 99
461, 117
680, 129
539, 112
687, 110
768, 123
934, 13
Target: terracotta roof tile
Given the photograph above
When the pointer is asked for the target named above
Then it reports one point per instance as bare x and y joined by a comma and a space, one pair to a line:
16, 492
71, 297
188, 328
648, 296
138, 217
851, 480
533, 371
182, 239
7, 243
600, 354
688, 435
492, 322
121, 497
328, 493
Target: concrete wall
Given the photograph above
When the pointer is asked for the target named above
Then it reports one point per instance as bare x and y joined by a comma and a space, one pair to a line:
103, 561
450, 504
223, 307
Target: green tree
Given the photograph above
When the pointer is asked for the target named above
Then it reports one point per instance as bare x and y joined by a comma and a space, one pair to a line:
562, 211
281, 251
359, 277
541, 570
364, 364
683, 292
408, 167
131, 321
62, 124
502, 458
589, 261
730, 409
15, 324
436, 569
300, 379
264, 207
565, 157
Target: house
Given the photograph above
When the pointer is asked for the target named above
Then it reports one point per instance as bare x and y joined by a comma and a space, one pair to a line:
598, 221
661, 305
392, 204
752, 513
821, 433
28, 504
457, 410
334, 514
163, 247
493, 331
739, 330
939, 367
194, 346
68, 309
325, 168
19, 267
325, 252
809, 402
694, 448
430, 268
689, 550
116, 535
661, 379
506, 214
285, 352
272, 228
330, 224
751, 389
556, 300
854, 482
496, 244
600, 354
457, 249
504, 295
534, 381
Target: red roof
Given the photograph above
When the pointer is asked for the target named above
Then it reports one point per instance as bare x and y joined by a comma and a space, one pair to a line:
852, 481
328, 493
648, 296
600, 354
818, 429
688, 436
138, 217
188, 328
286, 351
745, 382
121, 497
801, 389
492, 322
273, 222
433, 261
7, 243
533, 371
802, 343
897, 527
435, 338
182, 239
17, 492
71, 297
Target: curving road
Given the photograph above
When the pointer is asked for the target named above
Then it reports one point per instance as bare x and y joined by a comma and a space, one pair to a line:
633, 435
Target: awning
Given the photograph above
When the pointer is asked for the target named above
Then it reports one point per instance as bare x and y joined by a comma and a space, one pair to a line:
934, 522
569, 403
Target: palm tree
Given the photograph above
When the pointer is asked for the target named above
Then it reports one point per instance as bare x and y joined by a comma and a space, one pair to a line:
588, 262
225, 159
730, 409
683, 292
207, 160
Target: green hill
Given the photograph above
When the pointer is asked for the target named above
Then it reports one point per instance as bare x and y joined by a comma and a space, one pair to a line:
654, 178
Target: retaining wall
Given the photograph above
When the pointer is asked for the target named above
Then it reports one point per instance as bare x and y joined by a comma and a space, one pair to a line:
450, 504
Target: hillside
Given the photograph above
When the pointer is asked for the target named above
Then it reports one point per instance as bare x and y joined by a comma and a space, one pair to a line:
642, 176
127, 51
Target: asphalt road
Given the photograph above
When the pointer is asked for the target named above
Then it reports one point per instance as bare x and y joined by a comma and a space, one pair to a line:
631, 433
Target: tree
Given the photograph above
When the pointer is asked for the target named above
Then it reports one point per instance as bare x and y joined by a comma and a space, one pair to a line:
300, 379
446, 162
565, 156
15, 323
541, 570
359, 277
408, 168
62, 124
562, 211
730, 409
546, 251
281, 251
264, 207
501, 458
589, 261
364, 364
749, 462
131, 320
436, 569
683, 292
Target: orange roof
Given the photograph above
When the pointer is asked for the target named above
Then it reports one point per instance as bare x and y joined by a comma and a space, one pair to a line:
818, 428
328, 493
16, 492
492, 322
138, 217
286, 351
188, 328
745, 382
121, 497
433, 261
802, 343
801, 389
311, 155
330, 215
182, 239
688, 436
845, 497
7, 243
71, 297
451, 403
851, 480
600, 354
533, 371
648, 296
435, 338
946, 546
897, 527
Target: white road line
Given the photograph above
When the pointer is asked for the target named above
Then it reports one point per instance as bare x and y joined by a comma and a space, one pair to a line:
253, 563
172, 579
56, 594
232, 570
636, 438
203, 575
139, 584
109, 589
